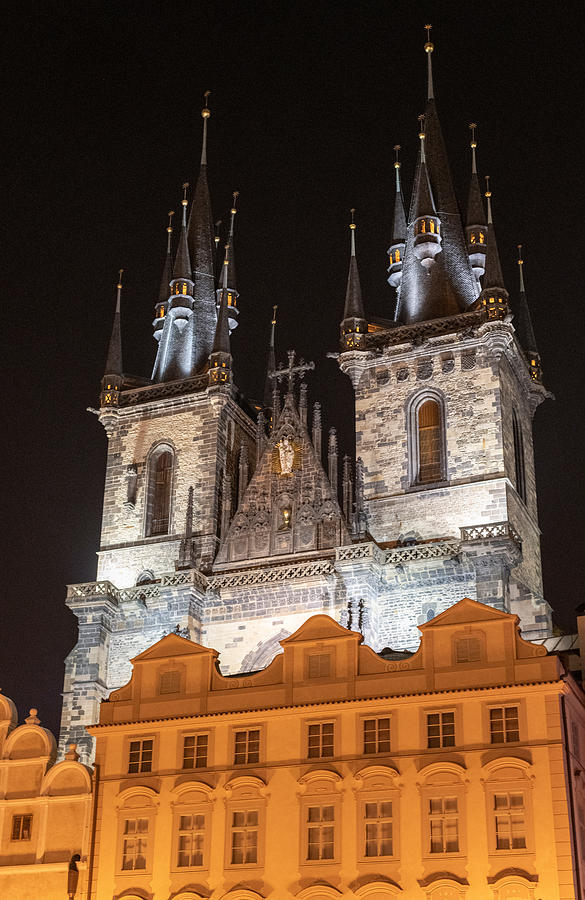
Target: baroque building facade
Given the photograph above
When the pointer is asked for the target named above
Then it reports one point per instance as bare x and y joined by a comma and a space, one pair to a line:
225, 519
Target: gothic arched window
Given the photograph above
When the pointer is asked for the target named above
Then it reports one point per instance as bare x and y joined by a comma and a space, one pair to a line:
160, 480
519, 457
427, 449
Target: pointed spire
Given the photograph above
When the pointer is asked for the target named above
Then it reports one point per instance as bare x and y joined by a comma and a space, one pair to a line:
475, 225
493, 269
167, 273
354, 307
221, 343
112, 380
200, 235
523, 321
399, 227
114, 358
422, 203
182, 267
231, 260
229, 271
429, 47
270, 365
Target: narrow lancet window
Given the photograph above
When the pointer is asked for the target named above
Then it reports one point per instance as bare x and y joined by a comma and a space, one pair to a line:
430, 454
159, 493
519, 457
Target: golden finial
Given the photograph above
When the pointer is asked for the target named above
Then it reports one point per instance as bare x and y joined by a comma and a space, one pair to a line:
171, 213
520, 264
217, 227
235, 196
120, 273
488, 193
352, 223
184, 200
421, 130
520, 260
472, 128
206, 112
429, 47
397, 151
274, 308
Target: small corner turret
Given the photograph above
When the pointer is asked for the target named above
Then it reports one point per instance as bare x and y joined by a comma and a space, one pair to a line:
354, 326
494, 296
165, 285
396, 248
523, 325
476, 225
112, 380
220, 359
427, 225
228, 273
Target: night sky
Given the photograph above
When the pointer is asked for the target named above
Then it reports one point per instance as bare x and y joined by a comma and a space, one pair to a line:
307, 102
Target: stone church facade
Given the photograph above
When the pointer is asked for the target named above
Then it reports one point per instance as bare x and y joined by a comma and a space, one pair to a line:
223, 520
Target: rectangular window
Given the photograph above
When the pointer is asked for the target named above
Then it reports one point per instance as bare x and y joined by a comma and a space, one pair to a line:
244, 837
195, 751
441, 729
320, 832
468, 650
510, 823
169, 682
191, 840
21, 828
247, 747
140, 756
319, 665
134, 845
504, 725
320, 740
378, 820
444, 825
377, 735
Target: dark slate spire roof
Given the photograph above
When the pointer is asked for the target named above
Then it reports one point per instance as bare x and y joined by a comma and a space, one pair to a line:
270, 363
221, 341
114, 358
493, 270
354, 307
522, 319
399, 219
449, 286
475, 208
182, 267
167, 273
422, 202
231, 266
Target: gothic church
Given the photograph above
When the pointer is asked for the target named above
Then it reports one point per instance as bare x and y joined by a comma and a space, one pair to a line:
222, 519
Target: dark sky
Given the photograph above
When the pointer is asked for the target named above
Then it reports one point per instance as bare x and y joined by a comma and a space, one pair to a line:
102, 104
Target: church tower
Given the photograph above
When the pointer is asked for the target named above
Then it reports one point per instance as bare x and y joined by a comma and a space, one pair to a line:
225, 519
445, 394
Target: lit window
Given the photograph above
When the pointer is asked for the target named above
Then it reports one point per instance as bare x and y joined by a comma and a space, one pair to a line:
423, 226
247, 747
320, 832
378, 820
509, 820
159, 493
319, 665
134, 844
195, 751
169, 682
504, 728
429, 442
444, 825
244, 837
481, 237
191, 840
140, 756
397, 256
161, 312
377, 735
440, 730
21, 828
184, 288
468, 649
432, 224
320, 743
472, 238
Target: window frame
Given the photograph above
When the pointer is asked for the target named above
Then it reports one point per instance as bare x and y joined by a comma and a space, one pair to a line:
391, 796
519, 457
133, 739
181, 750
376, 717
413, 438
440, 712
237, 729
22, 817
313, 654
191, 809
125, 815
248, 804
154, 455
513, 704
523, 783
311, 723
313, 800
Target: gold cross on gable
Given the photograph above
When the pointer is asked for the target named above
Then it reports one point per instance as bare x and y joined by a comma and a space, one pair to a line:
291, 370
